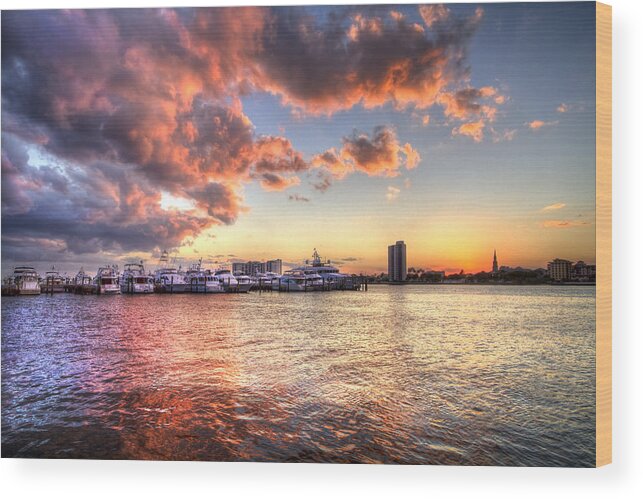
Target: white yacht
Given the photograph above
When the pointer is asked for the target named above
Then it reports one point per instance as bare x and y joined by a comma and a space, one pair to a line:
230, 283
167, 278
291, 280
200, 280
324, 275
106, 281
265, 281
23, 281
244, 283
134, 280
53, 282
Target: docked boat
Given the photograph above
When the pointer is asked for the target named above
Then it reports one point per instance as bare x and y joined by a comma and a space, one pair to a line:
53, 282
201, 280
291, 280
23, 281
319, 275
106, 281
82, 278
170, 280
244, 283
167, 279
83, 283
265, 281
134, 280
230, 283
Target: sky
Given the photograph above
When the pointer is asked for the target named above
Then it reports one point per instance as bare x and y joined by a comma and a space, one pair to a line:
230, 134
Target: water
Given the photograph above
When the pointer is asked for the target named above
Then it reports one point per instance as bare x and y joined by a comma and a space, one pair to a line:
473, 375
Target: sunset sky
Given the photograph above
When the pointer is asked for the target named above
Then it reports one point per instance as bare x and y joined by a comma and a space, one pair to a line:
258, 133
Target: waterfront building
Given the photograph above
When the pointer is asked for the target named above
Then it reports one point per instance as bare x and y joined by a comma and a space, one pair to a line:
584, 272
254, 268
559, 269
250, 268
274, 266
397, 262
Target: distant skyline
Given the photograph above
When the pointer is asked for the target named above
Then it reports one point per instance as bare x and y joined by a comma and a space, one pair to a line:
258, 133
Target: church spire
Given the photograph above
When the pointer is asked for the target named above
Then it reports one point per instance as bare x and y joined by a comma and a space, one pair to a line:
495, 263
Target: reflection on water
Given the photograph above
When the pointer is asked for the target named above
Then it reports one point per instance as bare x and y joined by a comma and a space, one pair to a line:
483, 375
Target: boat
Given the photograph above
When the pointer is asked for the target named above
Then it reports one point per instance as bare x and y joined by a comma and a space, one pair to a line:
23, 281
315, 275
134, 280
53, 282
106, 281
244, 283
201, 280
291, 280
325, 275
82, 278
230, 283
83, 283
167, 279
265, 280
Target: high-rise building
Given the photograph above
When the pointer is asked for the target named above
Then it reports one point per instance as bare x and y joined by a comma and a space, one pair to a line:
560, 270
274, 266
494, 268
397, 262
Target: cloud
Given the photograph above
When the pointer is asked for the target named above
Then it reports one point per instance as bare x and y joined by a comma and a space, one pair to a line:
359, 57
298, 197
276, 182
121, 116
555, 206
324, 180
392, 193
538, 124
477, 104
504, 136
434, 14
470, 102
563, 108
563, 224
378, 154
473, 130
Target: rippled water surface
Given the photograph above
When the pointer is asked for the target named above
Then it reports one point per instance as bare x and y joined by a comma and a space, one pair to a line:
483, 375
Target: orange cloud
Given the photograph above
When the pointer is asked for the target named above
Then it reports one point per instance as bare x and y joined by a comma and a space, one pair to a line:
470, 102
538, 124
378, 155
275, 182
473, 130
564, 224
555, 206
434, 14
413, 67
